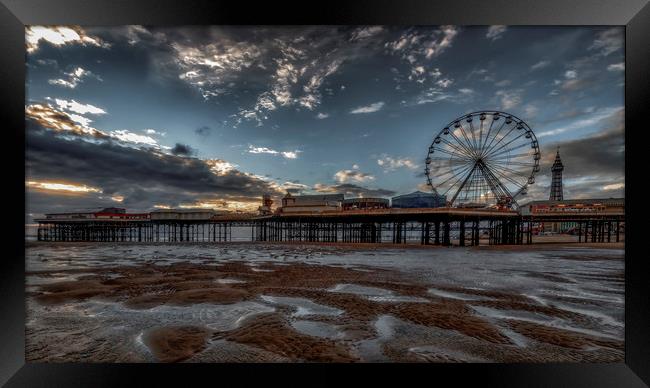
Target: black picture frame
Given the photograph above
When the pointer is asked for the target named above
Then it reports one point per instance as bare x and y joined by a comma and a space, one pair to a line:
15, 14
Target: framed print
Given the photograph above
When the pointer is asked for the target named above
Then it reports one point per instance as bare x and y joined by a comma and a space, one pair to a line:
401, 187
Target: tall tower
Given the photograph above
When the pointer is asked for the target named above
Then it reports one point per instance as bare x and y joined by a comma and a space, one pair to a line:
556, 183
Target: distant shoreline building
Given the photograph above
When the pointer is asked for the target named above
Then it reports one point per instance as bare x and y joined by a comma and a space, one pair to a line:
419, 199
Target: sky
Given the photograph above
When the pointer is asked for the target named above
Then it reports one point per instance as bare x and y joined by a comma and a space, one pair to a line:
215, 116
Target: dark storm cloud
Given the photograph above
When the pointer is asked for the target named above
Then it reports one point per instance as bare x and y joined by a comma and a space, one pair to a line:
602, 154
144, 177
594, 166
182, 150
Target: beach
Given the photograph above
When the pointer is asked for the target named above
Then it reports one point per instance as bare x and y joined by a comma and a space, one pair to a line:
266, 302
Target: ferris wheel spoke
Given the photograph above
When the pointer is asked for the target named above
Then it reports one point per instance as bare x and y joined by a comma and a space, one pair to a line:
472, 131
496, 135
452, 153
511, 163
461, 143
498, 182
505, 162
469, 142
480, 133
487, 136
494, 149
453, 176
527, 154
496, 187
463, 184
489, 150
450, 171
505, 152
522, 145
511, 179
460, 150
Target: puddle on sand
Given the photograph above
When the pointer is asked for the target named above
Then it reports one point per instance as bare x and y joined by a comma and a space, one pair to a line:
318, 329
230, 281
303, 306
454, 295
371, 350
255, 269
375, 294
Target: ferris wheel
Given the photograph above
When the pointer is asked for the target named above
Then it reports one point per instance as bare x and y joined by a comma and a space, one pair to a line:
483, 159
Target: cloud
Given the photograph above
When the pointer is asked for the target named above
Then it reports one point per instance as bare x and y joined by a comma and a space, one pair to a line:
203, 130
210, 66
74, 106
352, 190
608, 41
571, 74
531, 111
290, 154
142, 177
59, 36
495, 32
591, 121
391, 164
344, 176
437, 94
131, 137
616, 66
322, 115
154, 132
294, 187
510, 98
264, 150
261, 150
374, 107
74, 78
444, 83
57, 120
65, 187
540, 65
46, 116
417, 44
365, 32
182, 150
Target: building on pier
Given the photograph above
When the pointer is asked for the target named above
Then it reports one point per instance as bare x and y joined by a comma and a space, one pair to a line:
318, 203
419, 199
109, 213
365, 203
267, 202
184, 214
573, 206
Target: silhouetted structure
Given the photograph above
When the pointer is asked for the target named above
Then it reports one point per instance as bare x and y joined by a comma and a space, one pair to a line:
557, 192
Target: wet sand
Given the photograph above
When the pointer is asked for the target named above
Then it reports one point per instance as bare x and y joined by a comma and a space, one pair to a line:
299, 303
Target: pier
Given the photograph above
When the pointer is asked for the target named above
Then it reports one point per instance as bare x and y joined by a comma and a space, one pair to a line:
425, 226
